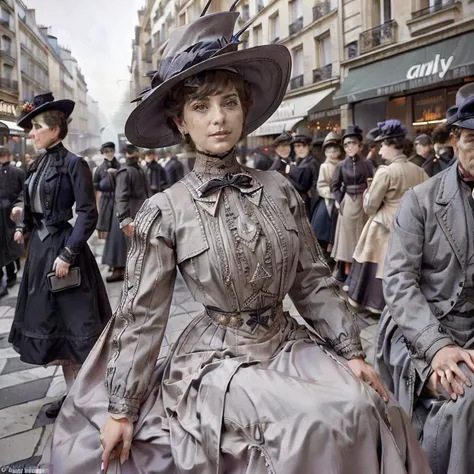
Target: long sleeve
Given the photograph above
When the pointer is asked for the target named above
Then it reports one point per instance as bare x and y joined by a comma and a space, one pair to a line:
406, 303
103, 181
316, 297
324, 182
122, 198
337, 182
141, 319
375, 195
86, 209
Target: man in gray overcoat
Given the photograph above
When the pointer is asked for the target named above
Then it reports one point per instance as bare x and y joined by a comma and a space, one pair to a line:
426, 333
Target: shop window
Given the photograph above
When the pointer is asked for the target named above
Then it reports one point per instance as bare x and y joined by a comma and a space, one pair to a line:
274, 28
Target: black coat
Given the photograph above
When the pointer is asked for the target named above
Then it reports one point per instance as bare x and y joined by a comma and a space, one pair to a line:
174, 170
131, 191
262, 162
68, 181
156, 177
301, 177
105, 184
12, 180
312, 163
434, 164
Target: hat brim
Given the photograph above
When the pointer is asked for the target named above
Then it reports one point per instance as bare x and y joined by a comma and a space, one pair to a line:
266, 68
381, 138
467, 123
64, 105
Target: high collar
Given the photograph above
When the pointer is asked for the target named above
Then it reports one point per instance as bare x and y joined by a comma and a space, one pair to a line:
353, 158
207, 167
55, 149
5, 164
132, 161
400, 158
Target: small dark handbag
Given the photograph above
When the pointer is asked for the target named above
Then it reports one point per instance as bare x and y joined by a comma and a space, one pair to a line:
71, 280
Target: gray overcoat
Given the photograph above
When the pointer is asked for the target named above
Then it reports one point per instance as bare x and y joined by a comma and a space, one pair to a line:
426, 276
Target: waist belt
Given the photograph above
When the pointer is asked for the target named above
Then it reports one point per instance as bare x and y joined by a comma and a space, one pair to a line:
259, 317
355, 189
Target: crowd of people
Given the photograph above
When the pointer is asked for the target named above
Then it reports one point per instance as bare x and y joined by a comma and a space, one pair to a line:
245, 388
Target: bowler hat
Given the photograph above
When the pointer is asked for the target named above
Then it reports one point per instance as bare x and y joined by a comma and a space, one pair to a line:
332, 139
391, 129
209, 43
353, 131
107, 145
42, 103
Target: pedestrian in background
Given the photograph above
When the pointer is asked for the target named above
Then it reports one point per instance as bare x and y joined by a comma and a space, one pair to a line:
174, 170
443, 148
115, 248
155, 173
57, 319
424, 153
12, 180
132, 190
381, 201
348, 185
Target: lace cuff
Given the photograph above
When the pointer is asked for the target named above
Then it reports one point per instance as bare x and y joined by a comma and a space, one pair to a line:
124, 407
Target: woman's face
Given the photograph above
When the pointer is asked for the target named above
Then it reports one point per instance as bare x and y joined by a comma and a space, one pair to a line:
214, 123
352, 146
109, 154
301, 150
42, 135
332, 152
283, 150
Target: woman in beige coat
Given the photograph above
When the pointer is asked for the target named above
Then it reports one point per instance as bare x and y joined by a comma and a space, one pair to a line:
381, 201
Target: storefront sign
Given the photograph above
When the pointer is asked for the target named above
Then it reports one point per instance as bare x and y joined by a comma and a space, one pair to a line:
325, 114
285, 111
6, 108
438, 66
429, 106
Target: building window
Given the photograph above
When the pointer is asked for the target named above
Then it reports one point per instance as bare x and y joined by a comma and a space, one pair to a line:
182, 19
7, 45
298, 62
260, 5
257, 35
245, 12
8, 72
324, 51
381, 12
296, 10
156, 40
274, 28
352, 50
4, 17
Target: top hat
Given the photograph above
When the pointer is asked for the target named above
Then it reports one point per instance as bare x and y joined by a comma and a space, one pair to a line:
209, 43
332, 138
301, 138
42, 103
462, 95
284, 139
391, 129
107, 145
353, 131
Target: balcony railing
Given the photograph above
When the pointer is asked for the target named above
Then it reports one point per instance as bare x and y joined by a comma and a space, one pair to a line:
296, 82
321, 9
378, 36
296, 26
433, 9
8, 84
322, 73
7, 54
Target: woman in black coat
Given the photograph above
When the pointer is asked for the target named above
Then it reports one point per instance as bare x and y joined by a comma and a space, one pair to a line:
57, 328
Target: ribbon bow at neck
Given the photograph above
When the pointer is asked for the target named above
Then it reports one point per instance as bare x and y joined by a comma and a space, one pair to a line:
239, 181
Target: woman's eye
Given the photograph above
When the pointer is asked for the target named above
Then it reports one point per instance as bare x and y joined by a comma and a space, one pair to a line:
199, 107
231, 103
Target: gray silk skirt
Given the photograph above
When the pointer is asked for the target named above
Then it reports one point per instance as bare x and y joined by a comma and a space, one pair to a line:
251, 400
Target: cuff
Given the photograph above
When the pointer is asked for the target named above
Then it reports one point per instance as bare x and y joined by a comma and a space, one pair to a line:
125, 222
124, 407
67, 255
430, 341
438, 345
349, 348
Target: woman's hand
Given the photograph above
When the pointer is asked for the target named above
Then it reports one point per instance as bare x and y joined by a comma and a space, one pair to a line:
128, 229
61, 268
116, 440
16, 213
18, 237
367, 374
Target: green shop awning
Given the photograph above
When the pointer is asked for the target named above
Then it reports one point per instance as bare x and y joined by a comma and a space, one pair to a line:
438, 62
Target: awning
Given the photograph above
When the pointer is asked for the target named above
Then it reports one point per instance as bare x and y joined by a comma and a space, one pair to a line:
290, 112
445, 60
325, 108
13, 127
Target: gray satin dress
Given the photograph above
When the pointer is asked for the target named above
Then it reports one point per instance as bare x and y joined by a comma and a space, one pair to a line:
245, 389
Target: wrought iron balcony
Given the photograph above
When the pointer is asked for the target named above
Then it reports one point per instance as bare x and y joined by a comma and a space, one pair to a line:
378, 36
437, 7
321, 9
296, 26
297, 81
8, 84
7, 54
322, 73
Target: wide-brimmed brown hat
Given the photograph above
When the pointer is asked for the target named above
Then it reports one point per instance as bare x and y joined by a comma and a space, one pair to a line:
208, 43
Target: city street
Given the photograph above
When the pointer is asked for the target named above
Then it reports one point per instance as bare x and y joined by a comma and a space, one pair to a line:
26, 391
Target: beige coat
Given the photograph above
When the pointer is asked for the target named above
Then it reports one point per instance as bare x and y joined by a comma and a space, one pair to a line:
381, 202
326, 173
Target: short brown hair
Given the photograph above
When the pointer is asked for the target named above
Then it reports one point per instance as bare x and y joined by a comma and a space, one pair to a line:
211, 82
56, 118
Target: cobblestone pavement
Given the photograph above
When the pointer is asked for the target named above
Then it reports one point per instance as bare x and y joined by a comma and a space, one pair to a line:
26, 391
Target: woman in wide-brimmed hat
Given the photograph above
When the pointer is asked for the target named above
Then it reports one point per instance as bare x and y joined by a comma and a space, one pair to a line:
381, 201
245, 389
57, 327
324, 218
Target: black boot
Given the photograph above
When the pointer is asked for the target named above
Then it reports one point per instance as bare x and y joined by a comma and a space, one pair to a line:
55, 408
3, 291
11, 281
117, 275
